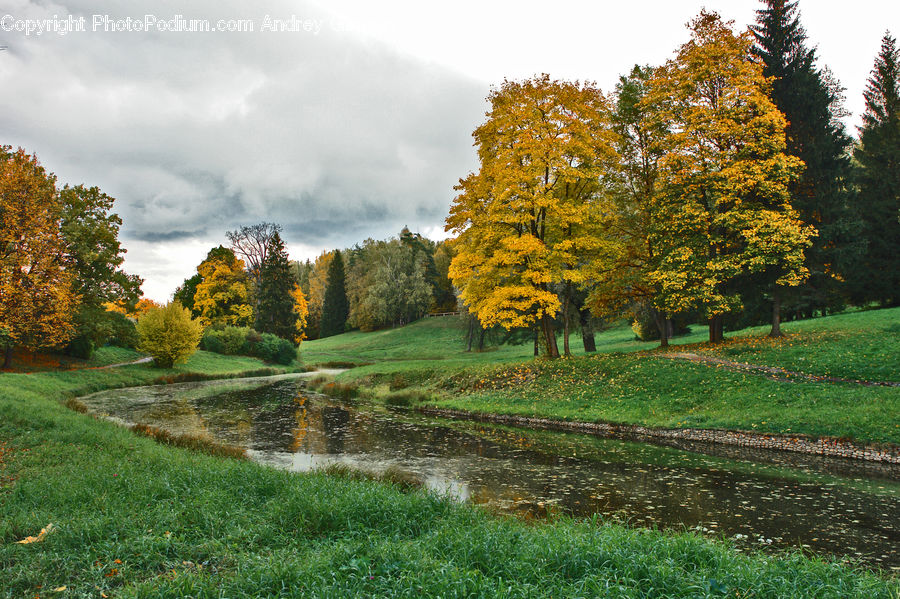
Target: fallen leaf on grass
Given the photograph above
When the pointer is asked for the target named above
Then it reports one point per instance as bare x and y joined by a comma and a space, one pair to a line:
59, 589
40, 537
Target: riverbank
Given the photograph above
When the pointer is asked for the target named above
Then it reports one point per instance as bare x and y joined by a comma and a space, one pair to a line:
828, 447
632, 386
132, 518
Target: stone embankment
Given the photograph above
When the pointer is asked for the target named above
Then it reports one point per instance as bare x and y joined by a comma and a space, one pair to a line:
824, 446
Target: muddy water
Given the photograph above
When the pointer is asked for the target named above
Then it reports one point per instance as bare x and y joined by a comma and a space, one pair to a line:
758, 499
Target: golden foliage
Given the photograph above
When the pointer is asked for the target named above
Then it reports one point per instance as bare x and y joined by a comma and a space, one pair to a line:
725, 210
36, 298
223, 294
301, 310
526, 217
169, 334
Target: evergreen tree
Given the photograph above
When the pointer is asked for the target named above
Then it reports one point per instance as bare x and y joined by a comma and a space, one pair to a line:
810, 99
335, 307
878, 155
275, 297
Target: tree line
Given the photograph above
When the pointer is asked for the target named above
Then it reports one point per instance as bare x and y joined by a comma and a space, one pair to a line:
250, 284
718, 186
371, 285
60, 263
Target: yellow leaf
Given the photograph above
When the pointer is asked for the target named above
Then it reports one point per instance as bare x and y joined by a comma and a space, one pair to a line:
40, 537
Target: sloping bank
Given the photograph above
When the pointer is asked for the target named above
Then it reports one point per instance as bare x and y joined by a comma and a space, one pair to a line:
648, 396
132, 518
824, 446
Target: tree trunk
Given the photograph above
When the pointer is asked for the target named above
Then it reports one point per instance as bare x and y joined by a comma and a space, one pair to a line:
566, 323
471, 335
662, 325
587, 330
481, 333
715, 329
776, 313
537, 345
7, 355
550, 337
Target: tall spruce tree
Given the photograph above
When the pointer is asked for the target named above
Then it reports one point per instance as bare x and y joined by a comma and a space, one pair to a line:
878, 156
335, 307
810, 100
275, 312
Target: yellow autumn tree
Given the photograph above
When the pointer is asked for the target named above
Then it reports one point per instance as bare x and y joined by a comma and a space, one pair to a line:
525, 219
143, 306
223, 294
724, 211
301, 312
169, 334
36, 299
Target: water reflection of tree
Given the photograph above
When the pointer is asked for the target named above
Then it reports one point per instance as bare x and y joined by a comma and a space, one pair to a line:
302, 418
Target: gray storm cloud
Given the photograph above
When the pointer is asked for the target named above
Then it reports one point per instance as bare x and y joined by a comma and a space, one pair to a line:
333, 136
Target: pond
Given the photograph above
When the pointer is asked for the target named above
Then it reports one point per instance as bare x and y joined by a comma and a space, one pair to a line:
759, 499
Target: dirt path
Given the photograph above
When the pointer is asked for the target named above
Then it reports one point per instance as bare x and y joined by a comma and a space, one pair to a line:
772, 372
140, 361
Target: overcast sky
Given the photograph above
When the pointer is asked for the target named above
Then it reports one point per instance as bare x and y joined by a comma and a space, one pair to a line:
353, 122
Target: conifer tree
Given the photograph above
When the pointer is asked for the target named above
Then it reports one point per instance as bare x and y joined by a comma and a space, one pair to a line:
335, 307
878, 155
810, 100
275, 295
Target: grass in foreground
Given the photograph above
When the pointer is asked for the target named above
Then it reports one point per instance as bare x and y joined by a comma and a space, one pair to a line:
624, 385
136, 519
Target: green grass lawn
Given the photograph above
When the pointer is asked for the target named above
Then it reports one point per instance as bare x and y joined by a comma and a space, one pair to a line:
628, 382
133, 518
856, 345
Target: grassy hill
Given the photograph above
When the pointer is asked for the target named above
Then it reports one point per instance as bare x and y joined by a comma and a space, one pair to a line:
632, 382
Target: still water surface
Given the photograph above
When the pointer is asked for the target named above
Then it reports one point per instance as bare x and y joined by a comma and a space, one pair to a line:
758, 498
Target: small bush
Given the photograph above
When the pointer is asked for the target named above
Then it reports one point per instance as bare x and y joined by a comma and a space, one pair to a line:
81, 347
212, 342
406, 397
169, 334
245, 341
398, 382
341, 390
230, 341
275, 349
123, 331
76, 405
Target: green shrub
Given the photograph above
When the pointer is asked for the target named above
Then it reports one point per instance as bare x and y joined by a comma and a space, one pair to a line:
212, 342
248, 342
80, 347
123, 332
227, 340
272, 348
169, 334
